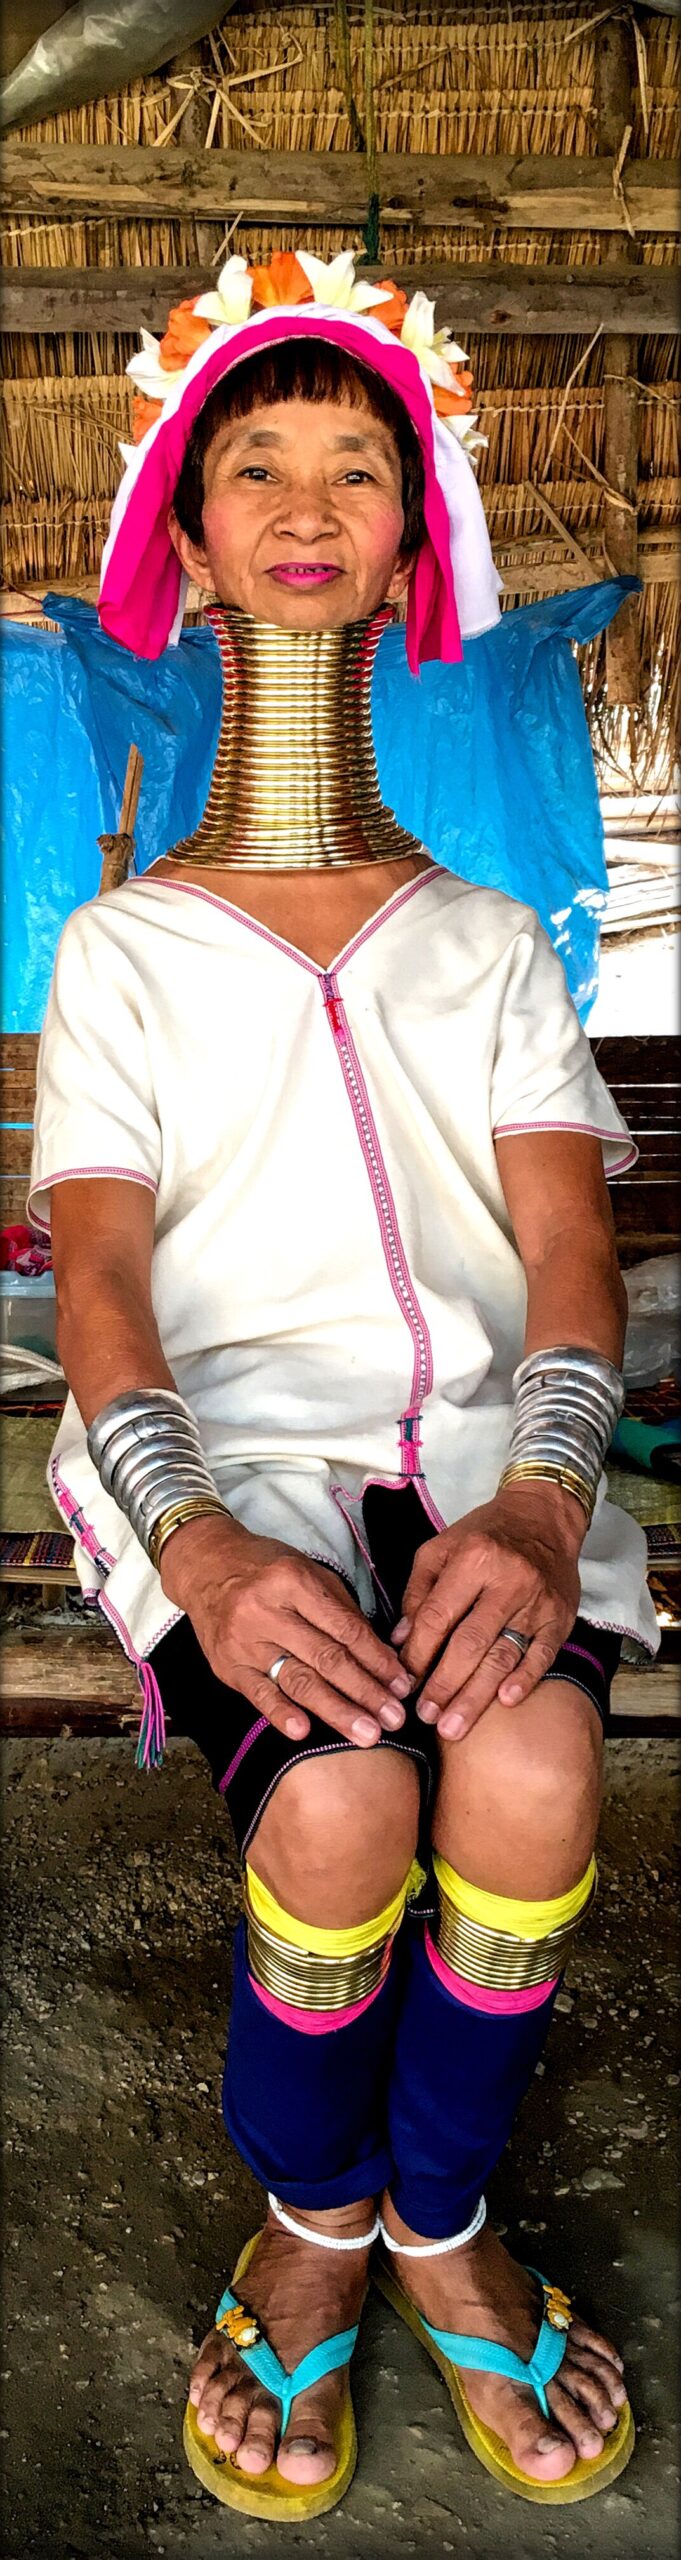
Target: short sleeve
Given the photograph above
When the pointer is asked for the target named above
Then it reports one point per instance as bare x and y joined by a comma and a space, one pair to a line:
95, 1111
544, 1074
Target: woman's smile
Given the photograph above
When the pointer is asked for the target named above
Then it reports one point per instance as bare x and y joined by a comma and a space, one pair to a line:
304, 573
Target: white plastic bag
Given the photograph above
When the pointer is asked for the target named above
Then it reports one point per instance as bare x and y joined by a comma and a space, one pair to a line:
653, 1345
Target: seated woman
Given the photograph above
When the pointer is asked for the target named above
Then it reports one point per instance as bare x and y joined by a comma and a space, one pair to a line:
322, 1144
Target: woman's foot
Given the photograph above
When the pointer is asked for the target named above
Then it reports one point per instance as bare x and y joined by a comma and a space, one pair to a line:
481, 2290
300, 2296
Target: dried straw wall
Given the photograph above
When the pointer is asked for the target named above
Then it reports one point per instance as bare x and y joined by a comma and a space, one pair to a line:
499, 79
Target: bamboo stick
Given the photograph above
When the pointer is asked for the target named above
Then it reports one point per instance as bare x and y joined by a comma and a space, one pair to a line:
118, 850
615, 64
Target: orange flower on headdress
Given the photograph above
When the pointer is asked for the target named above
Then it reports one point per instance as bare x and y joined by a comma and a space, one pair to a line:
391, 313
185, 332
282, 280
144, 415
448, 403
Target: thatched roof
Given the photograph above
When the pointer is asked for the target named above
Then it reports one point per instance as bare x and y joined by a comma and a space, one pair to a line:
495, 80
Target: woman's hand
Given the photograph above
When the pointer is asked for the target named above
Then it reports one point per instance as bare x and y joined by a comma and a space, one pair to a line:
512, 1563
251, 1599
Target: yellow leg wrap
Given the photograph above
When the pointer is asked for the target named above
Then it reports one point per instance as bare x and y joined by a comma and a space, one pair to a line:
313, 1968
503, 1944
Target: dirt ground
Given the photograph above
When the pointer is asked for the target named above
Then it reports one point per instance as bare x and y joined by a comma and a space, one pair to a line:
125, 2208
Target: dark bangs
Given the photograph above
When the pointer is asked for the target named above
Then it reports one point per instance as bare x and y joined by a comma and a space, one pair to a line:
301, 369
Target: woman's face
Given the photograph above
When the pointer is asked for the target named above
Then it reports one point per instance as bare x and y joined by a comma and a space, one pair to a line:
302, 517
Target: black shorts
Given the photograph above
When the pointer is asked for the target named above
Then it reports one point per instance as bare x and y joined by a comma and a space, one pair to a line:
247, 1756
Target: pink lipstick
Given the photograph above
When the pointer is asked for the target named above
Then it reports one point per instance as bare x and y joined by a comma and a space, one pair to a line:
304, 573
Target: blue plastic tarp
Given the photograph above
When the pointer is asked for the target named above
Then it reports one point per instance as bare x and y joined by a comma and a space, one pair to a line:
488, 762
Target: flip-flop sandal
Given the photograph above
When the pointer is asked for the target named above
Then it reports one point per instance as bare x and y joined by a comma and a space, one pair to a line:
449, 2350
267, 2494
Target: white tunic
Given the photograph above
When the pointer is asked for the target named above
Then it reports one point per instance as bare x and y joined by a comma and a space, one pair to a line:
335, 1281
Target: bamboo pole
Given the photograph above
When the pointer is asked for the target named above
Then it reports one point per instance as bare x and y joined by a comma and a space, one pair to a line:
615, 73
117, 850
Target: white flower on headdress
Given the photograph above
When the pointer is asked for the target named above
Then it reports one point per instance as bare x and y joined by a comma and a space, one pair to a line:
147, 372
436, 352
335, 284
230, 304
462, 427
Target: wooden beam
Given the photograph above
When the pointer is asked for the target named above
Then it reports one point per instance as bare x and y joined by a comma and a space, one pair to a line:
524, 569
615, 76
65, 1681
489, 299
535, 192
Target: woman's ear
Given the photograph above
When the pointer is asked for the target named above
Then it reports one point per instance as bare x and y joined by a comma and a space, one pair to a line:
193, 558
400, 577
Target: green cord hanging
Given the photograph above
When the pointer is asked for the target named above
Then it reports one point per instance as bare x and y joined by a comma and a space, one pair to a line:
362, 140
372, 230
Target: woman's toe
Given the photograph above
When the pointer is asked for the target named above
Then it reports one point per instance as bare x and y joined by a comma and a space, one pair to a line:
307, 2453
211, 2405
582, 2336
586, 2438
209, 2363
256, 2450
543, 2451
306, 2459
596, 2389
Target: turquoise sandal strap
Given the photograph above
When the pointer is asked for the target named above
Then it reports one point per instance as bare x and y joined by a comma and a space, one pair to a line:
482, 2355
265, 2365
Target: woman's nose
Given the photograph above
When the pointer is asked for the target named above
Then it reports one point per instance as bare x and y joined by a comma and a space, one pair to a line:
306, 511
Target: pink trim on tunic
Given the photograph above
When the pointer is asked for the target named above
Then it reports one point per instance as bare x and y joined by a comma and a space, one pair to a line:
86, 1173
493, 2004
393, 1248
190, 889
575, 1128
254, 1731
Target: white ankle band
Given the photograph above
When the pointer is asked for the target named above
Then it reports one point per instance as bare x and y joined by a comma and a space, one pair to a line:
433, 2248
320, 2239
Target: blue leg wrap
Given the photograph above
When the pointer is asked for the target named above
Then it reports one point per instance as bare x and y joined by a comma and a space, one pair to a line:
309, 2113
457, 2079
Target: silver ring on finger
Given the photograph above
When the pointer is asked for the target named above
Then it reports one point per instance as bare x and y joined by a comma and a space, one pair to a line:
513, 1636
277, 1667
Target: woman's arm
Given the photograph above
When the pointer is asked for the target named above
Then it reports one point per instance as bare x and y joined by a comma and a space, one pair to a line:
107, 1335
248, 1598
559, 1207
514, 1561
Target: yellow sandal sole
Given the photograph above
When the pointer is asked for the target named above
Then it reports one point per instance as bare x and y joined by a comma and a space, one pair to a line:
269, 2497
586, 2478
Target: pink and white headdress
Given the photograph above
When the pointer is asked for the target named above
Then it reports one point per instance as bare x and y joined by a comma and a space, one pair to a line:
454, 587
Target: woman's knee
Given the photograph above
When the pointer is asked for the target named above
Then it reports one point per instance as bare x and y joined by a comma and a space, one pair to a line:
519, 1799
337, 1838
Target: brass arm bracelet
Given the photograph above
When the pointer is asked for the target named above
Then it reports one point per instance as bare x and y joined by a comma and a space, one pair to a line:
196, 1507
542, 1471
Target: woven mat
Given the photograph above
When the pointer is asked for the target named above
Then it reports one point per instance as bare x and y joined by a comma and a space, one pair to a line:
25, 1443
